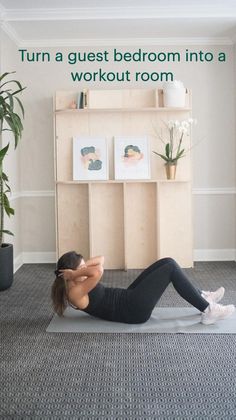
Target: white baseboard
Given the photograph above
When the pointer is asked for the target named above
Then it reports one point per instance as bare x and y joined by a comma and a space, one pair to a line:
214, 255
39, 257
50, 257
18, 262
34, 258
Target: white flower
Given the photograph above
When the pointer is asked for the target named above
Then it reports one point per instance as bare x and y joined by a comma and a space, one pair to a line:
170, 124
185, 124
183, 129
176, 148
192, 121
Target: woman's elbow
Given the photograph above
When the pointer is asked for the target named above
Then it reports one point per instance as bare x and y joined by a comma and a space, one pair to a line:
99, 271
102, 258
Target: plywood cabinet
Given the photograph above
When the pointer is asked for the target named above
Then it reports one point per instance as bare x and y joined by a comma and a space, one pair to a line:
131, 222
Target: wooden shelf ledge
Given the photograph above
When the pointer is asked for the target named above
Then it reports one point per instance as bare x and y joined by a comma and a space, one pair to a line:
126, 181
91, 110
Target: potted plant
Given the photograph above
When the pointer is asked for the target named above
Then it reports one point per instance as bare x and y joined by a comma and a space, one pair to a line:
173, 147
9, 121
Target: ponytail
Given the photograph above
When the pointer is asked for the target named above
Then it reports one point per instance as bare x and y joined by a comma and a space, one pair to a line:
70, 260
58, 295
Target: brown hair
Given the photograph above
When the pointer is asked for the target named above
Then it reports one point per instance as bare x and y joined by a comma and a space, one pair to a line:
69, 260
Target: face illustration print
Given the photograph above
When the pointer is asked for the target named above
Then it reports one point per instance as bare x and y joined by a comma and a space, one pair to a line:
90, 157
132, 155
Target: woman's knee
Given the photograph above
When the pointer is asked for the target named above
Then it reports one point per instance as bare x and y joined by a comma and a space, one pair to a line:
140, 319
168, 260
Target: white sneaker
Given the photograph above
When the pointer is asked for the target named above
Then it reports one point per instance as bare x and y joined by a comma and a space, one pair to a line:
214, 296
215, 311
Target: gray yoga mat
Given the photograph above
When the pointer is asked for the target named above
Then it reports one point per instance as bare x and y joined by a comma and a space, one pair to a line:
163, 320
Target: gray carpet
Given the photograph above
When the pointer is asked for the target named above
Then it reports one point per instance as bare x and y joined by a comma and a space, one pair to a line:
115, 376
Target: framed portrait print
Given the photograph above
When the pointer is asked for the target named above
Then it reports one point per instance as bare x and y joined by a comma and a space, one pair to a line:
131, 157
90, 160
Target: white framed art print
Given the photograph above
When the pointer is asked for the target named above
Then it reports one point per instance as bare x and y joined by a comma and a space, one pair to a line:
90, 159
131, 157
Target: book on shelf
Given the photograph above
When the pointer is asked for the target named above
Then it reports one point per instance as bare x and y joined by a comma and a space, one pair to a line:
85, 98
82, 100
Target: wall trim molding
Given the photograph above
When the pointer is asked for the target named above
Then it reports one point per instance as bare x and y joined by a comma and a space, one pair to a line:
39, 257
14, 196
50, 257
37, 193
31, 193
83, 42
50, 193
18, 262
214, 191
184, 11
214, 254
10, 31
123, 42
119, 12
34, 258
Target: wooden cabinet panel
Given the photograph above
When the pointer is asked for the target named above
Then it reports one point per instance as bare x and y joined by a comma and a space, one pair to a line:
175, 222
107, 223
140, 224
133, 223
73, 219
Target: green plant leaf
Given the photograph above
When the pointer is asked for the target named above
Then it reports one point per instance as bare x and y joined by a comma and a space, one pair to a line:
13, 124
21, 106
3, 104
168, 150
162, 156
7, 206
14, 81
8, 189
5, 182
11, 102
18, 91
6, 74
3, 152
180, 154
7, 232
17, 121
4, 177
11, 121
7, 108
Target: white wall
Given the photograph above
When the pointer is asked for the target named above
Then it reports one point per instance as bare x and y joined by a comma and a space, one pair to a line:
214, 178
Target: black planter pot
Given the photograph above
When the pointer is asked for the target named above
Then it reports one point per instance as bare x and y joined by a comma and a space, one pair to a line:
6, 266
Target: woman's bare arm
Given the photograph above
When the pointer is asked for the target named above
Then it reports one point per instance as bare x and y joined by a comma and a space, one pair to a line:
95, 261
93, 275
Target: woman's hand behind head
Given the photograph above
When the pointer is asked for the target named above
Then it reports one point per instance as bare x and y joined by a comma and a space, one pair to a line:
68, 274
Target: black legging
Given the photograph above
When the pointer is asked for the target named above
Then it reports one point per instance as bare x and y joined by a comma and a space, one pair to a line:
151, 284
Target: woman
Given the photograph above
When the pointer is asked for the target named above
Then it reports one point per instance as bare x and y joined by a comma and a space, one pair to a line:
77, 284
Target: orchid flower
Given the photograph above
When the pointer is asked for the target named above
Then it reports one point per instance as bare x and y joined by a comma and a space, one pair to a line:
173, 148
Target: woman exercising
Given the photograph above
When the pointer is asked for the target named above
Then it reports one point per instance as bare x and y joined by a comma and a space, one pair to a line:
77, 284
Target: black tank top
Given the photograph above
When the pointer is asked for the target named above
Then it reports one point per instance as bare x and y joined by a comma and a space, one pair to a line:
110, 303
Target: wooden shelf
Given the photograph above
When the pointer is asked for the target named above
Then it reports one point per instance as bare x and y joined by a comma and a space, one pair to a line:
132, 222
127, 181
91, 110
